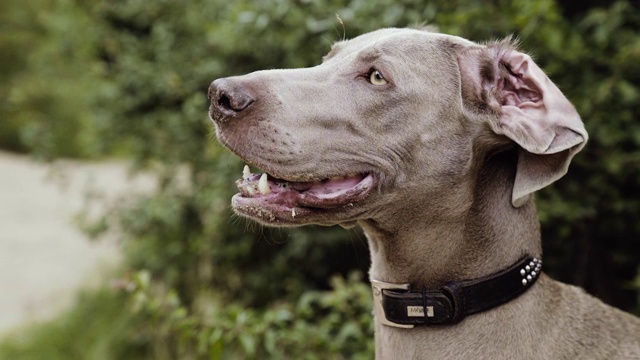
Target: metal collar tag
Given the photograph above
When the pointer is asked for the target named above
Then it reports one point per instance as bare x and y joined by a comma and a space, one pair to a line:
377, 287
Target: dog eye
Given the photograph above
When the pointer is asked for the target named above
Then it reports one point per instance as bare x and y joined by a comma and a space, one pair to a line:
376, 78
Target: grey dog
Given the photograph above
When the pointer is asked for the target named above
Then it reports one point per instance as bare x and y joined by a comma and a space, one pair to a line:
434, 145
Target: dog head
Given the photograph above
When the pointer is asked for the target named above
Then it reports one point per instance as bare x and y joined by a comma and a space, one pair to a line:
390, 122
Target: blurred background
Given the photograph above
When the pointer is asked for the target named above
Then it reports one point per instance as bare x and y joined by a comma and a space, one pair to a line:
98, 81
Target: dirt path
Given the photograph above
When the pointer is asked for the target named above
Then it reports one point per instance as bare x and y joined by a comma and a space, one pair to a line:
44, 258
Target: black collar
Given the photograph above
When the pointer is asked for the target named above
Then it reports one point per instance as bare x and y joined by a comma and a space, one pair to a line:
395, 305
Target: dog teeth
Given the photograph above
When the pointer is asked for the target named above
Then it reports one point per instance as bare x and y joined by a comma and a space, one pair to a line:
293, 212
246, 172
263, 185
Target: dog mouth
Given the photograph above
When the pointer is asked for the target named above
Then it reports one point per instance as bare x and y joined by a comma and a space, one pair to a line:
275, 200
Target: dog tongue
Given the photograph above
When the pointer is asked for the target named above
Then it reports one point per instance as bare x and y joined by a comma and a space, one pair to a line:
333, 187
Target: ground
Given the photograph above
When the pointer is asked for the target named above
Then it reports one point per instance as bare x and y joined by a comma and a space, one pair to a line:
44, 257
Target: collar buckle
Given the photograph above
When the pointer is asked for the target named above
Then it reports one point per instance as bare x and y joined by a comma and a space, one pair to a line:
378, 287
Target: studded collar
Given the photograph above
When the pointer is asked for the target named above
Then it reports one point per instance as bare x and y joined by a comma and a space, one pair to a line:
396, 305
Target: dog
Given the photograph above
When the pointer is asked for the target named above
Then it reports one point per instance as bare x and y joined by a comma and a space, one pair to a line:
434, 145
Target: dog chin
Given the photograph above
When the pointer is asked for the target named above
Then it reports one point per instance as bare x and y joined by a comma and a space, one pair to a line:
270, 214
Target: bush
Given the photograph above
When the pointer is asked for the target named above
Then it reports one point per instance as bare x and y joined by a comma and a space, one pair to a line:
164, 55
49, 79
321, 324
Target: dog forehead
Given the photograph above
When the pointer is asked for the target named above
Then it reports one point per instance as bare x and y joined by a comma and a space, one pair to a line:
391, 41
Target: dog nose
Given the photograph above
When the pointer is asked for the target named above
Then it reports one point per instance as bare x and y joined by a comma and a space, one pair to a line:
227, 98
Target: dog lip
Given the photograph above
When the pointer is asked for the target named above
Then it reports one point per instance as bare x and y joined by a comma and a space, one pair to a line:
328, 192
296, 178
311, 200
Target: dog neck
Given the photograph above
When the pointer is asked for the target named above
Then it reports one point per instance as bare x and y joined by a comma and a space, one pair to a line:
488, 236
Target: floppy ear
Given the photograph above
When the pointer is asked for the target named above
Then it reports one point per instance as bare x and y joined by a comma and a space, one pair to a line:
524, 105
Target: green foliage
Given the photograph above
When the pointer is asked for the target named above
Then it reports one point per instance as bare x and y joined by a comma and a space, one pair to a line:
210, 285
49, 80
96, 328
591, 214
313, 327
147, 321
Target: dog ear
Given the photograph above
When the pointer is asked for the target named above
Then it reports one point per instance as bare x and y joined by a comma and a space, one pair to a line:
524, 105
